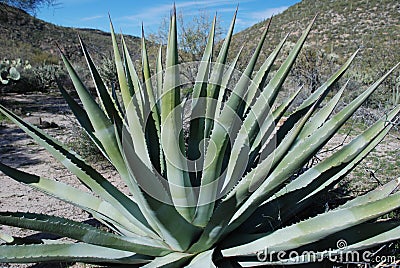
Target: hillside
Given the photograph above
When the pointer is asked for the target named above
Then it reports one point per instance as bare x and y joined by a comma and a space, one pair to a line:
26, 37
341, 28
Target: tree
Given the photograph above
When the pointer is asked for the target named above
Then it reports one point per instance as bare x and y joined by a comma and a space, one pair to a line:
193, 33
30, 6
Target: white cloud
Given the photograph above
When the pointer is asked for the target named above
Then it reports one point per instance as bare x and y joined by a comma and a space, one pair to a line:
152, 15
92, 18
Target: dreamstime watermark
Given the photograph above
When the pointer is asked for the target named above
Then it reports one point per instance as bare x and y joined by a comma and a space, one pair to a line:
342, 254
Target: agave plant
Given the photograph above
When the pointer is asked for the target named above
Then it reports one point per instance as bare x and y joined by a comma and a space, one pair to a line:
222, 193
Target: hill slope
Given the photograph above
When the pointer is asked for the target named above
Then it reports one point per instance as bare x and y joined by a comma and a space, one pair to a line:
26, 37
340, 29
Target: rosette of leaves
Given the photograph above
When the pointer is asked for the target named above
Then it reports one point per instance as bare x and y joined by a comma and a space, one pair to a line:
223, 195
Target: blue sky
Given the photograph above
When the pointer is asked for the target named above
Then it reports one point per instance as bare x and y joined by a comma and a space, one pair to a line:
128, 15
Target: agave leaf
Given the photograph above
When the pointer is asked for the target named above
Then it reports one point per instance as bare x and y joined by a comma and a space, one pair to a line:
128, 93
355, 150
171, 126
82, 117
86, 174
225, 83
321, 116
175, 259
99, 208
301, 152
83, 233
383, 233
376, 194
204, 259
159, 77
353, 235
259, 80
262, 143
198, 117
220, 138
282, 205
271, 90
103, 127
258, 179
155, 200
215, 79
139, 99
153, 123
317, 228
105, 99
241, 155
228, 211
250, 128
322, 91
68, 252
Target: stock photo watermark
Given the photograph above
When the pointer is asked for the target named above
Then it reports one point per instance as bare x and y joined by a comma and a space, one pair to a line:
342, 254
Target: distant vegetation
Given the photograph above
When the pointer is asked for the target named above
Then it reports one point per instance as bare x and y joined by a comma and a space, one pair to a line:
341, 28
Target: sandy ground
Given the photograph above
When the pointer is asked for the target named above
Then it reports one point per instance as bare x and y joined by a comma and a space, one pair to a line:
18, 150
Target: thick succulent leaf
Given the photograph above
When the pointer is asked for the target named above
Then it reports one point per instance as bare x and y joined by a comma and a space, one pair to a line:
262, 143
83, 233
241, 153
159, 77
103, 127
291, 200
258, 83
384, 232
376, 194
355, 150
139, 99
152, 113
85, 173
317, 228
77, 252
175, 259
156, 203
99, 208
271, 90
198, 111
127, 92
257, 183
214, 82
221, 133
322, 91
321, 116
225, 84
239, 157
351, 163
299, 154
203, 260
171, 134
230, 208
102, 92
82, 117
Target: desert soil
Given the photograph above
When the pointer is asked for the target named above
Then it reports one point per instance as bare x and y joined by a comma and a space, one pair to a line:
18, 150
